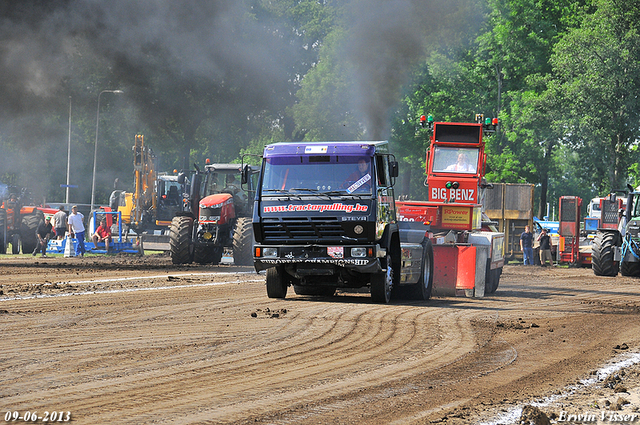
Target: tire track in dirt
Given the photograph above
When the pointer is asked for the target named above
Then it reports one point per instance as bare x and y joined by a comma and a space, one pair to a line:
286, 398
195, 354
331, 342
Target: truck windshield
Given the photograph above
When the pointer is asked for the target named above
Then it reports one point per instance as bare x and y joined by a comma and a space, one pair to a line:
455, 160
318, 173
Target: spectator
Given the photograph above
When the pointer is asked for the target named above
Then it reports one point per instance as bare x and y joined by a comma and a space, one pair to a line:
102, 234
76, 227
545, 248
526, 245
43, 232
60, 223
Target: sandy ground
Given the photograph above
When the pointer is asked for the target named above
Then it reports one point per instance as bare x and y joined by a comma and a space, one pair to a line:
136, 340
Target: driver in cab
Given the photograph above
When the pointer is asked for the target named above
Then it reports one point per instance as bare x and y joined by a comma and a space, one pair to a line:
461, 165
360, 179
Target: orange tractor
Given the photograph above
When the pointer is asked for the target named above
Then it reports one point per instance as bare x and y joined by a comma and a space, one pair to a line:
19, 220
219, 217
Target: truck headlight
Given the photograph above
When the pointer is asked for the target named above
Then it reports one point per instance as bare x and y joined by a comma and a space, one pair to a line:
358, 252
269, 252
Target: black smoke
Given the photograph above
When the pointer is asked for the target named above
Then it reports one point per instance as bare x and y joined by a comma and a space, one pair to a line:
178, 62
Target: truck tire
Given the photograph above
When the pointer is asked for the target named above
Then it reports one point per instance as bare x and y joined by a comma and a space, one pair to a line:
181, 246
319, 291
276, 283
628, 268
422, 289
243, 242
602, 254
382, 283
28, 227
492, 280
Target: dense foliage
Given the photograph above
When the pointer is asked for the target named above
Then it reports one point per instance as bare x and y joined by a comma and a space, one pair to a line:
219, 79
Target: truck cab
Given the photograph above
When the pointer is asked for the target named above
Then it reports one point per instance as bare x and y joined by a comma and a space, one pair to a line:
325, 218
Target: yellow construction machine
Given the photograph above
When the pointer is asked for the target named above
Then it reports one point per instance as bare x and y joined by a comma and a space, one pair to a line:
155, 200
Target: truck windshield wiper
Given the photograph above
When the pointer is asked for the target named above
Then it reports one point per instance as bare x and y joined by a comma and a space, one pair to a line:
275, 190
303, 189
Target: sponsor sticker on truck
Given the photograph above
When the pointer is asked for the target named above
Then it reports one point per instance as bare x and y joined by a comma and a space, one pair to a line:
335, 207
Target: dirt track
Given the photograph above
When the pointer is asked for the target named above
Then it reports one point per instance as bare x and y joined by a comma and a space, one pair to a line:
143, 341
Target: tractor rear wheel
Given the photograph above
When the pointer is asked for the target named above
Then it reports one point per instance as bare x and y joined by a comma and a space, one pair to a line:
243, 242
602, 254
202, 254
181, 246
28, 228
628, 268
3, 231
16, 244
207, 255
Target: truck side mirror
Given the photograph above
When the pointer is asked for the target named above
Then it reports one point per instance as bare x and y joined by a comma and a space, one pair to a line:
246, 171
393, 168
181, 178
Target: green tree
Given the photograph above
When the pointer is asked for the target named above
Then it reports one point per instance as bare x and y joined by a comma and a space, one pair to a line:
596, 68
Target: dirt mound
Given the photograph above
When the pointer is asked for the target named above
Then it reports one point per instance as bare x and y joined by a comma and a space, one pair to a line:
531, 415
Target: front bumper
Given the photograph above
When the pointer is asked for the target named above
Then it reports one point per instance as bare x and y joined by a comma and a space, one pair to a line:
319, 257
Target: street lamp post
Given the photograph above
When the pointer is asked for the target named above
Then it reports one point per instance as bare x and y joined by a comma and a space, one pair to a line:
95, 148
66, 200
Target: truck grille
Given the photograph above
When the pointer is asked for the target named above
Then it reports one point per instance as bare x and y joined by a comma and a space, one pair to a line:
302, 228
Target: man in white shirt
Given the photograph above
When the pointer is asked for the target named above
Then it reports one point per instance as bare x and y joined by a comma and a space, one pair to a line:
76, 227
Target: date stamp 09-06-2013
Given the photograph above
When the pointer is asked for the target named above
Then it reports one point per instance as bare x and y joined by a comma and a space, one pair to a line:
31, 417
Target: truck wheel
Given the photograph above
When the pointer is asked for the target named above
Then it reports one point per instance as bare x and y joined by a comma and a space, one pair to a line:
422, 289
16, 244
382, 283
181, 248
243, 242
321, 291
602, 254
628, 268
492, 280
28, 228
276, 283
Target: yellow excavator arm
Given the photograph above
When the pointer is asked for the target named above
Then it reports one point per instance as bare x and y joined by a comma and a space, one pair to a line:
144, 171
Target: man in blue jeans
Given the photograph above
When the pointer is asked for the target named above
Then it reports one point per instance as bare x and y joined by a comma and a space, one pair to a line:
526, 245
76, 227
